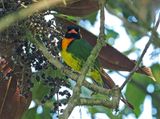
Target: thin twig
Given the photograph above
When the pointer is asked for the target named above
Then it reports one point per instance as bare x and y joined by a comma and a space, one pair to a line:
136, 27
58, 103
142, 55
3, 4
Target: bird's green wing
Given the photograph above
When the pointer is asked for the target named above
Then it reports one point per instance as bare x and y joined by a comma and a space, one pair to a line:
81, 49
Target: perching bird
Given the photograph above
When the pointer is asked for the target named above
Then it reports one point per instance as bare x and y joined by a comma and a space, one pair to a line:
75, 51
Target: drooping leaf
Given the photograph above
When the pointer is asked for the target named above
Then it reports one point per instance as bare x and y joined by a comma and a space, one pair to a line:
111, 36
136, 91
39, 90
99, 109
132, 49
155, 101
156, 94
46, 112
31, 114
156, 71
91, 17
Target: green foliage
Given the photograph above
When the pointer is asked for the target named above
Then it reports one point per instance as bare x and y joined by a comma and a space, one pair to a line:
99, 109
133, 34
136, 25
131, 50
156, 94
136, 91
91, 17
156, 71
32, 113
39, 90
50, 71
155, 101
111, 36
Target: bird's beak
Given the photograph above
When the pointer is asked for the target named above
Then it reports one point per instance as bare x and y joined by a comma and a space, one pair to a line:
73, 31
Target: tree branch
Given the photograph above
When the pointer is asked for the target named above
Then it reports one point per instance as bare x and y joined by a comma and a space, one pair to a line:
107, 102
30, 10
143, 53
65, 70
92, 102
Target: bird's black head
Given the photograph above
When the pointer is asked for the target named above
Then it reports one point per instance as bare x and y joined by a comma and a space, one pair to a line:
73, 32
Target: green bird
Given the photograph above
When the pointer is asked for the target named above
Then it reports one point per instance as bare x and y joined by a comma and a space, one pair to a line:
75, 51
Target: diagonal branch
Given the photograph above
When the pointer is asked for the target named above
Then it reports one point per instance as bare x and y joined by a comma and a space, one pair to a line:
30, 10
65, 70
143, 53
86, 66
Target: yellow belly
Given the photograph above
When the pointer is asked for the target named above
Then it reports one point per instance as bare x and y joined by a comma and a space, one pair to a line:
76, 65
70, 61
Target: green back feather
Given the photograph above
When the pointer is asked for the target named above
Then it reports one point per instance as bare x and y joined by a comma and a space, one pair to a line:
81, 49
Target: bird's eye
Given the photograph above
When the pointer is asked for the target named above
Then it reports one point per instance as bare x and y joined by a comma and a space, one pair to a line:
69, 28
77, 29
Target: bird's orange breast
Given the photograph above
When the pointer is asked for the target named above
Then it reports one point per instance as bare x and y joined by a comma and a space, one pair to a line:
68, 58
66, 42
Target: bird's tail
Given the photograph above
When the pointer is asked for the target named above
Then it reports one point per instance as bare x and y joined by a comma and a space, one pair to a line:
109, 84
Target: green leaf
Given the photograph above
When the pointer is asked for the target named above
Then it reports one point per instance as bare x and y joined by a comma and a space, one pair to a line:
91, 17
53, 72
39, 90
131, 50
156, 72
110, 36
100, 109
111, 33
46, 113
155, 102
133, 34
136, 91
31, 114
156, 94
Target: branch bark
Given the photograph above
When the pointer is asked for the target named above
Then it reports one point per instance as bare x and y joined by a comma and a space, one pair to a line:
86, 66
8, 20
